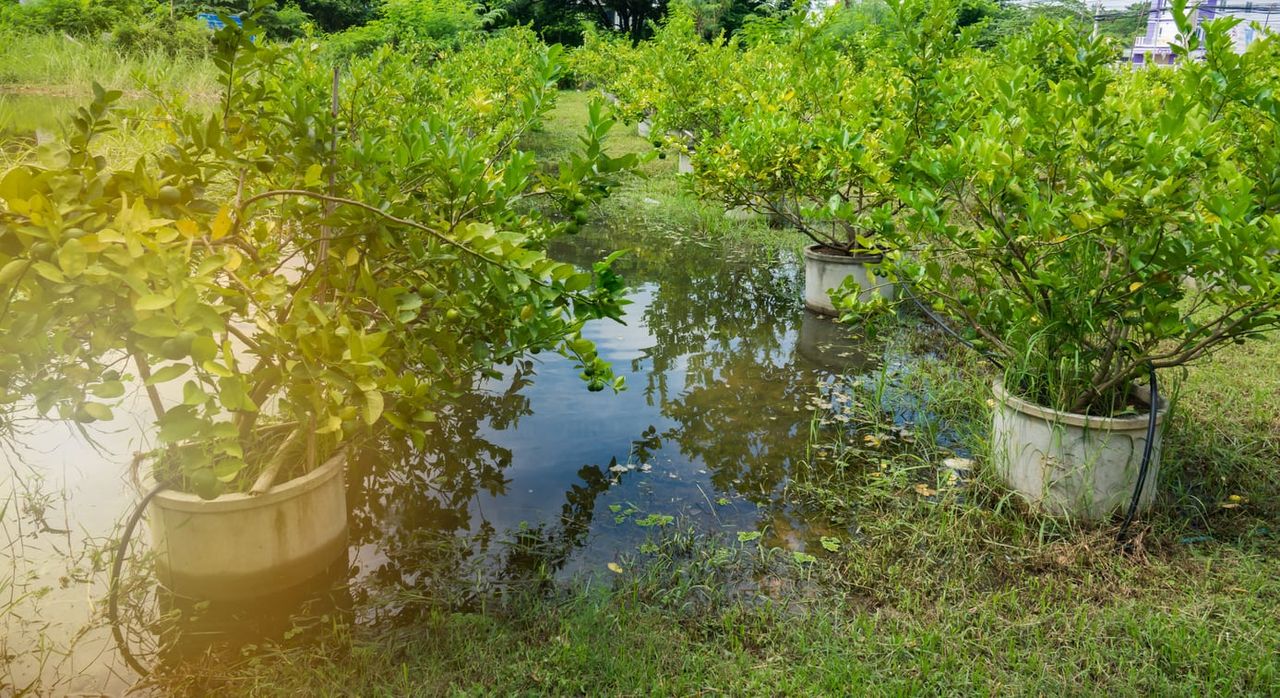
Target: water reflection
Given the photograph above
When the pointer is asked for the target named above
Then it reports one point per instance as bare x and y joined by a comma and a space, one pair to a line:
529, 472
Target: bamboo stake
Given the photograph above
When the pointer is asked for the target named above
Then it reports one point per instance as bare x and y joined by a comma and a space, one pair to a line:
268, 476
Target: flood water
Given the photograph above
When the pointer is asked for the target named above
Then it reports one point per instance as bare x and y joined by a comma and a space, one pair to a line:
531, 473
722, 363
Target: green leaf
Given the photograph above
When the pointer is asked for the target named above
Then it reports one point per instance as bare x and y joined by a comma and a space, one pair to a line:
227, 469
179, 424
748, 536
156, 326
49, 272
153, 301
108, 389
73, 258
168, 373
11, 271
372, 406
97, 410
16, 184
193, 394
577, 282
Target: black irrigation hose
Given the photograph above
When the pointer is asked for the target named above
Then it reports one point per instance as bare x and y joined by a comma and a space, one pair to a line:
113, 592
1152, 409
947, 328
1122, 535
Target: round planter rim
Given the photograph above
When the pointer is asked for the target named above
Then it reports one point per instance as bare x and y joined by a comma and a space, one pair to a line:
1074, 419
813, 252
238, 501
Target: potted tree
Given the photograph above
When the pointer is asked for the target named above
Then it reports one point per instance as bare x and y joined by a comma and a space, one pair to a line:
278, 292
827, 146
1087, 232
676, 84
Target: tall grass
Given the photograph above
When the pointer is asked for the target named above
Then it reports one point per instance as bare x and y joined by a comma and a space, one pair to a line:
45, 77
58, 65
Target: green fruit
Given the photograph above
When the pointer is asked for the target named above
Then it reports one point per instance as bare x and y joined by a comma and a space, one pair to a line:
170, 195
177, 347
579, 198
73, 233
451, 314
571, 227
41, 250
204, 483
580, 217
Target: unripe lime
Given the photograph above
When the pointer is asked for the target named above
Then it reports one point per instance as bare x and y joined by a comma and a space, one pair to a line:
170, 195
204, 484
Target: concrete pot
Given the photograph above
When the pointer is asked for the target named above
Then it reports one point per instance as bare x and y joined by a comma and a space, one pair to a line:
240, 546
825, 271
685, 165
644, 128
1069, 464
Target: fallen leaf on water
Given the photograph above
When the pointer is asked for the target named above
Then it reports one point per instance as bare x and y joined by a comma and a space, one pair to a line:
871, 441
615, 567
924, 490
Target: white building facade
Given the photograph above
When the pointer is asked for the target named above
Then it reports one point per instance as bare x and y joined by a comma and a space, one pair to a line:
1255, 18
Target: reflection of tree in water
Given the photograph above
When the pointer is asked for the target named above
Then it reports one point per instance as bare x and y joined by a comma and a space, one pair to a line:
543, 550
742, 408
418, 506
410, 502
752, 359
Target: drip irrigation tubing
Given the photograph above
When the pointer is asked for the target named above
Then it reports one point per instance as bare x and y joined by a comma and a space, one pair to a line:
113, 591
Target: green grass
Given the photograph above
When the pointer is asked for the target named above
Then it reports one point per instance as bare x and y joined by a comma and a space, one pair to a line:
935, 587
658, 198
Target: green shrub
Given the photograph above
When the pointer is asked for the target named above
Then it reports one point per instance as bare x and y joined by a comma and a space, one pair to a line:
162, 34
430, 23
74, 17
357, 41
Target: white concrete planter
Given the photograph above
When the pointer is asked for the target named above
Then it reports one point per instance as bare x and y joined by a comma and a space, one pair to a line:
644, 128
685, 165
1069, 464
240, 546
825, 271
